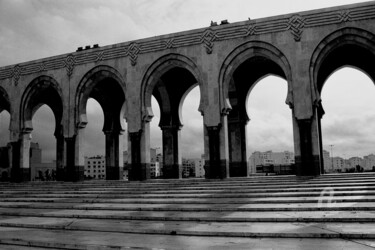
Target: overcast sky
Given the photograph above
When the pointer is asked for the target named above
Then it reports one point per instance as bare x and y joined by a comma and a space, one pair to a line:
35, 29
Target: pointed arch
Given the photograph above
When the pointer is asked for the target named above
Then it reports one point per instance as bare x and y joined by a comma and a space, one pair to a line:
328, 56
160, 67
245, 52
111, 96
42, 90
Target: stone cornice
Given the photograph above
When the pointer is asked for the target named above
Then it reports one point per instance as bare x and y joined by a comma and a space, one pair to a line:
294, 23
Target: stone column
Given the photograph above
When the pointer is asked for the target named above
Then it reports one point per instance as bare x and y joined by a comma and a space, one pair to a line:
139, 154
307, 146
172, 160
60, 152
215, 166
237, 148
113, 155
74, 157
20, 158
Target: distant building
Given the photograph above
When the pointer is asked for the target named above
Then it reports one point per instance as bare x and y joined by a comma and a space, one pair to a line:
154, 170
339, 164
258, 160
369, 162
193, 168
199, 168
327, 161
95, 167
356, 161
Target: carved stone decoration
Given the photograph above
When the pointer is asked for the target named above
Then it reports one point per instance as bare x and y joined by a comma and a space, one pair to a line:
296, 24
17, 70
69, 64
99, 56
250, 30
344, 16
169, 43
133, 51
42, 67
208, 37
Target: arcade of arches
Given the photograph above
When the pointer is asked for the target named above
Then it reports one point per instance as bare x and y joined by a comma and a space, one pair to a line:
224, 61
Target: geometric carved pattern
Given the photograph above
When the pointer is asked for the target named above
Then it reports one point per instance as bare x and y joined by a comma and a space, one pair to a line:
17, 70
344, 16
133, 51
250, 30
296, 24
69, 64
208, 37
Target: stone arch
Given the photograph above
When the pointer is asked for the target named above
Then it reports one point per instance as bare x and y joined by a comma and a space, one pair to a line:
326, 60
89, 87
157, 69
42, 90
244, 52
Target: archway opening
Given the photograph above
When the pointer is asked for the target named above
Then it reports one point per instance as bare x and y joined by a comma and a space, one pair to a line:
94, 141
156, 142
169, 91
244, 78
4, 140
43, 145
101, 106
348, 100
270, 130
192, 142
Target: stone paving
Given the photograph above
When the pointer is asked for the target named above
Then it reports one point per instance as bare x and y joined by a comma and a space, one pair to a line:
277, 212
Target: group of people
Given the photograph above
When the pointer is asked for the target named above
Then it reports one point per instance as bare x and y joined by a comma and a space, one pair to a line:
48, 175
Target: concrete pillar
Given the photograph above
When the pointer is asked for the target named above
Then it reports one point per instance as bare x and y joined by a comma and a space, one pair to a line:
216, 166
20, 158
172, 160
113, 155
237, 148
74, 157
139, 154
60, 161
307, 146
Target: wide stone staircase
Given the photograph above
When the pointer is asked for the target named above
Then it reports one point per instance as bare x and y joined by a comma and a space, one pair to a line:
263, 212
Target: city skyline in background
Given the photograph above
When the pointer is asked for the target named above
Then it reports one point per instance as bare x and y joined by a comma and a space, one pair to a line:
347, 97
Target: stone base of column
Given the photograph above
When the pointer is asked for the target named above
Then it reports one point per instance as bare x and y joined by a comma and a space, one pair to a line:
20, 175
311, 168
172, 171
113, 173
60, 174
238, 169
139, 172
76, 173
217, 171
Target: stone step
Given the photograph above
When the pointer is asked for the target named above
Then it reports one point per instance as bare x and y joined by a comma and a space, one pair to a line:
194, 207
199, 200
164, 193
222, 229
25, 238
213, 216
199, 183
201, 195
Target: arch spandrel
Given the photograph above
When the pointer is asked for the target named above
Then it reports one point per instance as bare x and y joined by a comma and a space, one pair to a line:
41, 90
155, 72
111, 99
247, 51
325, 61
